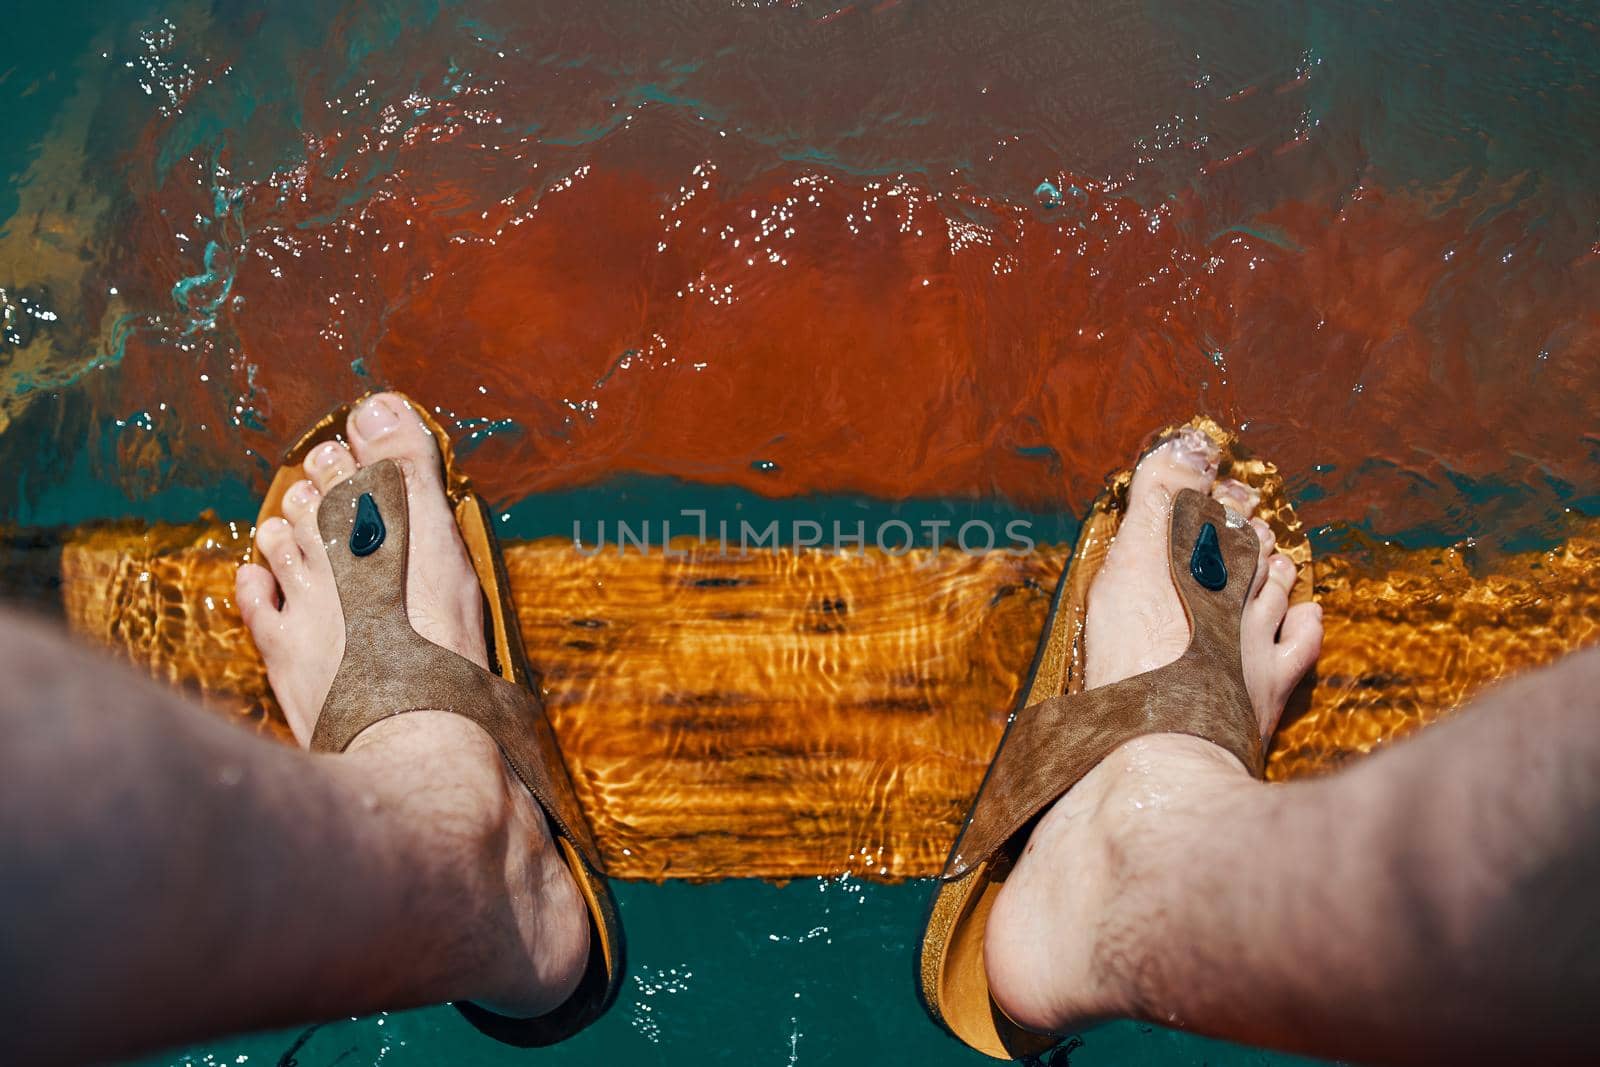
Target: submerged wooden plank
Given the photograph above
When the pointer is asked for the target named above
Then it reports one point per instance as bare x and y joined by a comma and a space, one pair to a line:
787, 715
1411, 636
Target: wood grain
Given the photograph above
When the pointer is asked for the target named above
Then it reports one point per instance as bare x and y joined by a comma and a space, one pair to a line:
788, 715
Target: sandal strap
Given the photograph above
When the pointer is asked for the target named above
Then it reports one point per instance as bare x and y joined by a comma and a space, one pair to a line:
389, 669
1050, 745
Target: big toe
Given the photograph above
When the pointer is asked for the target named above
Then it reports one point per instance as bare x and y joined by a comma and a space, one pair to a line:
385, 426
1186, 460
444, 601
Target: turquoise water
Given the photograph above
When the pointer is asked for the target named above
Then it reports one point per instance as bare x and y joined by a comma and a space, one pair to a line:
814, 972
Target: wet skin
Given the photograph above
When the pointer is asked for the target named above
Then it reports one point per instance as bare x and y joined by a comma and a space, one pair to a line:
1048, 934
291, 607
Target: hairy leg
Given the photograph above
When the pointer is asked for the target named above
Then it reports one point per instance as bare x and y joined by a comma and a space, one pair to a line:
168, 875
1432, 903
1042, 947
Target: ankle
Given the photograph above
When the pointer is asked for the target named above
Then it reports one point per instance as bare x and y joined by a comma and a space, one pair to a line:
1084, 923
520, 933
1170, 798
441, 772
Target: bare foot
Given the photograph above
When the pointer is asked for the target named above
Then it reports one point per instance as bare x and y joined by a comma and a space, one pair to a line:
533, 929
1057, 947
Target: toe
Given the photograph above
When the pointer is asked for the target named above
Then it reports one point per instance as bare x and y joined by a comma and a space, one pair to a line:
276, 545
1278, 643
308, 538
1280, 574
1272, 599
256, 593
300, 504
329, 464
1186, 460
1236, 496
1136, 621
1264, 612
1266, 545
384, 426
300, 501
1300, 640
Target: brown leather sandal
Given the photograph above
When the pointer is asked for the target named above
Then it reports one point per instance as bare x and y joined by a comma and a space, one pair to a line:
1061, 732
389, 669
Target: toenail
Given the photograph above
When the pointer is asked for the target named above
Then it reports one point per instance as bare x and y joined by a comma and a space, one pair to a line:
376, 417
302, 493
1196, 448
325, 454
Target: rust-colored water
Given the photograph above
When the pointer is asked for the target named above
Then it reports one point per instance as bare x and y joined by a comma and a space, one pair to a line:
893, 249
